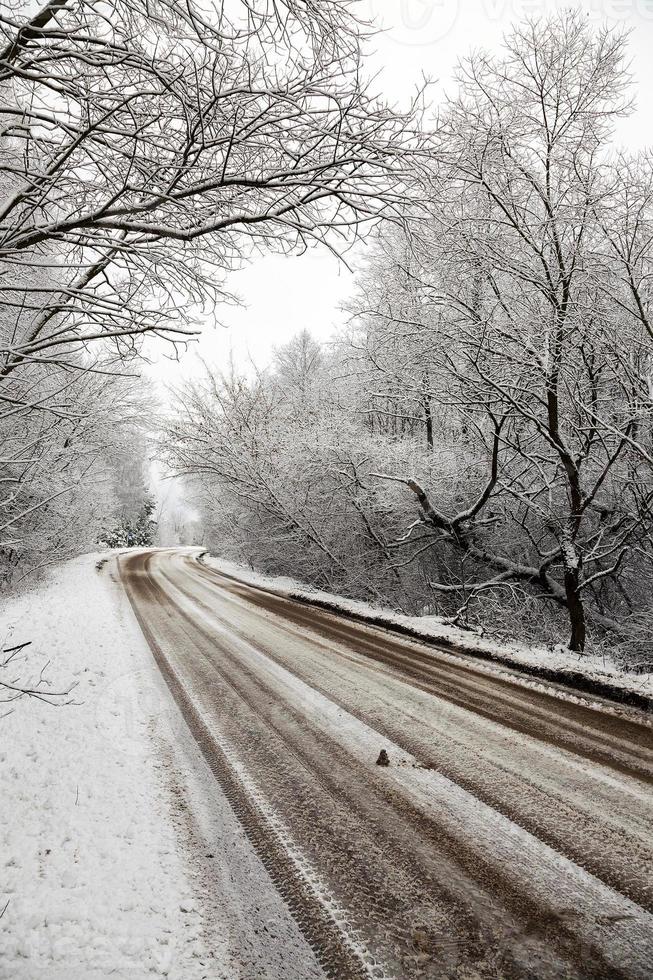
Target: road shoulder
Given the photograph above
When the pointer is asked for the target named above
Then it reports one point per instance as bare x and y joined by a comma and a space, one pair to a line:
572, 675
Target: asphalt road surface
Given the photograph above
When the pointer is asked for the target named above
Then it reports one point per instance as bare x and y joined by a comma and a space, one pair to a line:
510, 836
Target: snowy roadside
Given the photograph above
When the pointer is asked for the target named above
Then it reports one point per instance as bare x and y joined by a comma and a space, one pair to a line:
588, 674
91, 867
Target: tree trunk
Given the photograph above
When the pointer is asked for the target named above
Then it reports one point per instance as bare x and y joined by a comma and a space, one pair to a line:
576, 610
428, 419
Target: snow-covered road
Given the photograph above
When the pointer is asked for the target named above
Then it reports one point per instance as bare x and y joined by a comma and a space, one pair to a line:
511, 835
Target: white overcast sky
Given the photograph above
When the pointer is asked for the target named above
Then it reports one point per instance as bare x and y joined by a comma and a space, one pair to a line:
420, 37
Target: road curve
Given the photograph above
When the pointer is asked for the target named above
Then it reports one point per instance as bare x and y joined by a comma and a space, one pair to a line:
511, 835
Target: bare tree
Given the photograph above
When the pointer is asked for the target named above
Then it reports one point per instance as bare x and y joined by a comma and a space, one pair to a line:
538, 354
153, 145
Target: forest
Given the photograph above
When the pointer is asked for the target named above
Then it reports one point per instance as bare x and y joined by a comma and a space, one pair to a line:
475, 444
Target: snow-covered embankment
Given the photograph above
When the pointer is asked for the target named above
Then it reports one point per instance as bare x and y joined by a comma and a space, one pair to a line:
93, 881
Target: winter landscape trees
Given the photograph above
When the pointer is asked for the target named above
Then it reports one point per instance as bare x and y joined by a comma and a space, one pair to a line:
147, 149
211, 771
478, 443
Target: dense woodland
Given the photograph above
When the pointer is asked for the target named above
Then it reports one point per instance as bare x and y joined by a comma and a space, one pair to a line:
147, 149
476, 444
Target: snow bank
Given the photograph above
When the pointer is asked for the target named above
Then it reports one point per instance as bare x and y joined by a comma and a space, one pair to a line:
93, 883
586, 673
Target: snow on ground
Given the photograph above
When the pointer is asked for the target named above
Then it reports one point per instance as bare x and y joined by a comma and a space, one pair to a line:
119, 855
567, 664
93, 882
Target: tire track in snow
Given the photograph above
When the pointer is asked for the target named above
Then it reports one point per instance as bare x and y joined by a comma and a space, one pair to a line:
340, 951
163, 605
